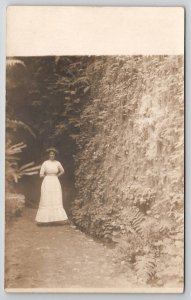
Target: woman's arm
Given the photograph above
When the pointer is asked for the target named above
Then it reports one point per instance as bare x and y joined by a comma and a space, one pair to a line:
60, 173
42, 170
60, 170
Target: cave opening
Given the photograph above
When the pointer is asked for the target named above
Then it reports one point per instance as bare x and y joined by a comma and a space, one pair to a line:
47, 95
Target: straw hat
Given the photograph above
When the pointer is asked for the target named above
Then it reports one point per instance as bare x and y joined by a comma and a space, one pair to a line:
53, 149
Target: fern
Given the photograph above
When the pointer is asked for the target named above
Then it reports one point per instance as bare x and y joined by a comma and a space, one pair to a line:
11, 62
134, 218
13, 172
165, 225
137, 221
81, 80
145, 267
28, 169
14, 124
14, 149
25, 170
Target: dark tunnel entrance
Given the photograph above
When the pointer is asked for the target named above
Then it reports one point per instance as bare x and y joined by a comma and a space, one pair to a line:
47, 95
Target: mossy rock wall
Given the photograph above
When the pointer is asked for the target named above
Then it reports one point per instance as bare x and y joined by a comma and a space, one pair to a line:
130, 150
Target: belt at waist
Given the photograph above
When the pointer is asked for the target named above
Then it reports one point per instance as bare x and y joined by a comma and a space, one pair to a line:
51, 174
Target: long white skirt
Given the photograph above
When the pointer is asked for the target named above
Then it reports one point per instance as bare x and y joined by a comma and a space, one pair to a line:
50, 206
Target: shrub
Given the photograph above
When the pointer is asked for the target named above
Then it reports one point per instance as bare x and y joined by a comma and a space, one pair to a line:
14, 205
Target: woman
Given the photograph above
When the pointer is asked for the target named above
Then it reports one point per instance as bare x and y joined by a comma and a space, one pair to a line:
50, 206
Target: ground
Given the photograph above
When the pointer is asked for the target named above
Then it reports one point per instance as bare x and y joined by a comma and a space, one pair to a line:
58, 257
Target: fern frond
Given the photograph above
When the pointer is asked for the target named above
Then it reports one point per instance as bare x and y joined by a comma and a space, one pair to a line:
14, 149
83, 80
26, 166
145, 267
164, 224
29, 171
12, 124
12, 158
16, 174
10, 62
135, 218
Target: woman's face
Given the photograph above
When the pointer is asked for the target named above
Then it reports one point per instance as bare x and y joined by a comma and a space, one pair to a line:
51, 155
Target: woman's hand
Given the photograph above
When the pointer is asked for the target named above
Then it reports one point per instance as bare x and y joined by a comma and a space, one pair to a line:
60, 173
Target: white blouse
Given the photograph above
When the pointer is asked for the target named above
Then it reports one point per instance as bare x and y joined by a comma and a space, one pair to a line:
51, 167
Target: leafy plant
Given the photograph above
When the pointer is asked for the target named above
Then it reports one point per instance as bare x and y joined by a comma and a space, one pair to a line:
129, 157
14, 205
15, 124
13, 171
145, 267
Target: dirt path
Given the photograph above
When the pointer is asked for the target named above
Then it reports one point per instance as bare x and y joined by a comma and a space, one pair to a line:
57, 257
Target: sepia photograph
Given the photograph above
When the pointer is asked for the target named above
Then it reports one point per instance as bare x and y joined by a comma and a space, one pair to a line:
94, 173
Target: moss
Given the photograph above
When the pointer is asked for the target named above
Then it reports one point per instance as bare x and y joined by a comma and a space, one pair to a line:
131, 146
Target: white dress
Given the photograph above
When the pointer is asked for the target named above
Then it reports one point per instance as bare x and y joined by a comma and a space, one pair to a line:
50, 206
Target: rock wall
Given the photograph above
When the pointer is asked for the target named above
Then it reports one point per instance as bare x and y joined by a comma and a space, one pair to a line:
131, 143
129, 164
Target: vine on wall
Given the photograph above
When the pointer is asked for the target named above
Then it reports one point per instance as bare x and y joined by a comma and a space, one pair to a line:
129, 163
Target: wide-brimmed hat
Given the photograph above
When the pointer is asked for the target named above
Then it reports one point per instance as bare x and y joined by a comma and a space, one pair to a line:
53, 149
